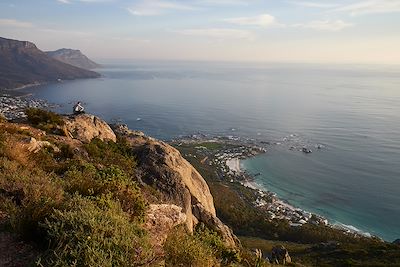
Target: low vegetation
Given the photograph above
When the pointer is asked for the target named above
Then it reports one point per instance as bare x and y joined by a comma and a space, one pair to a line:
45, 120
82, 205
94, 232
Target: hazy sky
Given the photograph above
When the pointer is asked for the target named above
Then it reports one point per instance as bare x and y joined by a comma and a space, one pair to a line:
365, 31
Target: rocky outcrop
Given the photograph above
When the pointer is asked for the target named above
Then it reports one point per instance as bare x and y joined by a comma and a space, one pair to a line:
123, 130
85, 127
166, 170
280, 255
35, 146
162, 167
214, 223
160, 220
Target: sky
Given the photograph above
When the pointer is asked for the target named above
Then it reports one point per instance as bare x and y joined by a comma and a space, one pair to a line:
321, 31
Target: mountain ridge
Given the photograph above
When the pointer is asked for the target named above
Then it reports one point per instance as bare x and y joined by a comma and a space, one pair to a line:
22, 64
73, 57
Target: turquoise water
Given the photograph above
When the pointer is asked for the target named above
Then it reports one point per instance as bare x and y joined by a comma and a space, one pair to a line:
353, 111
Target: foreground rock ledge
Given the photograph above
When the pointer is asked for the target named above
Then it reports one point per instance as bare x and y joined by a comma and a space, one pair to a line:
162, 167
85, 127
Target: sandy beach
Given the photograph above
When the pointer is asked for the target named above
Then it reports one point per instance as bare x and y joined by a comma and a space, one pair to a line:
234, 165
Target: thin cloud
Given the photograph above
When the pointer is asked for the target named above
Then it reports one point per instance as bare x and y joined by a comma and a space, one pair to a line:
218, 33
324, 25
223, 2
84, 1
313, 4
264, 20
371, 7
15, 23
157, 7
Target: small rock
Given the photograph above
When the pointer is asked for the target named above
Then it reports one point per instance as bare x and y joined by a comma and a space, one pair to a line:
35, 145
280, 255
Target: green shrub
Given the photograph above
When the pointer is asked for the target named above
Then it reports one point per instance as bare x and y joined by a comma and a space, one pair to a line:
213, 240
66, 152
95, 232
46, 120
33, 193
110, 153
183, 249
87, 180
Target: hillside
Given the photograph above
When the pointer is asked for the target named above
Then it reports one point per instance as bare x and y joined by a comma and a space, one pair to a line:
74, 58
74, 191
22, 63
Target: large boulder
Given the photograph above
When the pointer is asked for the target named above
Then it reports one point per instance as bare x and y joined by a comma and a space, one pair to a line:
160, 220
85, 127
162, 167
165, 169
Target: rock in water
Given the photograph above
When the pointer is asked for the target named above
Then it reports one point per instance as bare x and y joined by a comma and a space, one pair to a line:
86, 127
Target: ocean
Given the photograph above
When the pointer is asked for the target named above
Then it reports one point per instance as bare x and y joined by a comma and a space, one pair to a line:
349, 115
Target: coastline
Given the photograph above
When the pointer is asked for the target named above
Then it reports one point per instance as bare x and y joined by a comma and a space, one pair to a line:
238, 168
230, 164
225, 154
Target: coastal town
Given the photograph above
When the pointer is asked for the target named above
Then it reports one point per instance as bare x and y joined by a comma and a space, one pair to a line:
13, 108
224, 155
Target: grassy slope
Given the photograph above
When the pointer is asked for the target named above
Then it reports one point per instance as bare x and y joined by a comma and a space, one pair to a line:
82, 205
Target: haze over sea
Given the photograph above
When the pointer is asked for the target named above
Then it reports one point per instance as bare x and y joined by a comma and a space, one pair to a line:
352, 110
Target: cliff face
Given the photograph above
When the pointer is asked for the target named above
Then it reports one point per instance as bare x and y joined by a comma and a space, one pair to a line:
163, 168
74, 58
22, 63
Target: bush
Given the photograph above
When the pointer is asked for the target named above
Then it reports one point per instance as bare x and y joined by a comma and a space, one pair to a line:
32, 193
95, 232
183, 249
45, 120
213, 240
88, 180
109, 153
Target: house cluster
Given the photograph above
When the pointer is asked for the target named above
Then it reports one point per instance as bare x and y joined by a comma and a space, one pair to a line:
277, 209
13, 107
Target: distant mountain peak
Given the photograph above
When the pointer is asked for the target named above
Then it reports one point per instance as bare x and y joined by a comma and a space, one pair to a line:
22, 63
14, 44
73, 57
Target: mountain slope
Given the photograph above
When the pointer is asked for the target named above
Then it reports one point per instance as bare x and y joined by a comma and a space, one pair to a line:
74, 58
22, 63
